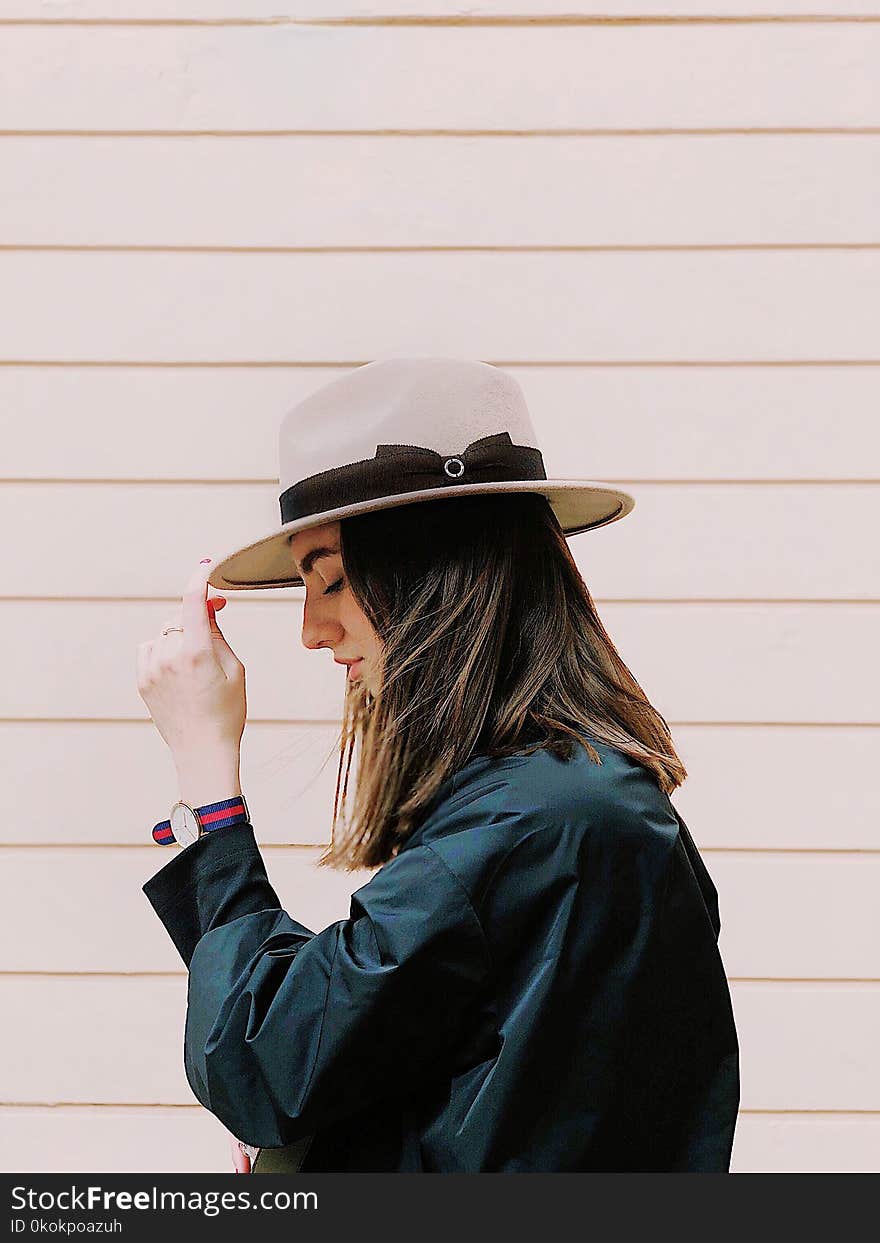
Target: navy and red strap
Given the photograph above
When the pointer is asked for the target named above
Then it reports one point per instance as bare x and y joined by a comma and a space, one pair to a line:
212, 816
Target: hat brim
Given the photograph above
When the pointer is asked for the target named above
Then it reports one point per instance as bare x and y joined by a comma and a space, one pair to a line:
579, 505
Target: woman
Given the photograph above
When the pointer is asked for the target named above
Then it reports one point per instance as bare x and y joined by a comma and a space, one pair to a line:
530, 981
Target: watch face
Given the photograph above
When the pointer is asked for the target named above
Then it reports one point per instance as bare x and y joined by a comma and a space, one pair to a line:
184, 824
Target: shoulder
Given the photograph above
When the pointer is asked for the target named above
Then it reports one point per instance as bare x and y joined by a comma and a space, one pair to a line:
540, 790
539, 806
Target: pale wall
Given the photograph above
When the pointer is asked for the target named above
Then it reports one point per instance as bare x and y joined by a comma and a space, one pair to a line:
660, 229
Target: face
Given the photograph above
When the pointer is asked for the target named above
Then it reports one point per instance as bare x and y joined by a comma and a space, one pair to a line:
334, 620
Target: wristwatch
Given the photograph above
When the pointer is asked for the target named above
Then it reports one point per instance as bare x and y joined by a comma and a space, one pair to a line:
187, 824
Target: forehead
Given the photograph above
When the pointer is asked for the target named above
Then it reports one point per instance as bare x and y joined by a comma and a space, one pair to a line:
307, 546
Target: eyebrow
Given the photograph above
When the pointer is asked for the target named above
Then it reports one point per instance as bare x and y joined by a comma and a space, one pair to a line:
315, 554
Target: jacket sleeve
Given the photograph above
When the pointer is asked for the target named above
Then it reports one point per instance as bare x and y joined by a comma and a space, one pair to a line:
288, 1030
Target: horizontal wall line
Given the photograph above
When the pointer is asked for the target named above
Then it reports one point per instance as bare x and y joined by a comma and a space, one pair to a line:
461, 20
265, 481
97, 1105
143, 1105
525, 249
813, 1112
276, 602
327, 363
30, 844
322, 721
127, 720
567, 132
169, 975
800, 979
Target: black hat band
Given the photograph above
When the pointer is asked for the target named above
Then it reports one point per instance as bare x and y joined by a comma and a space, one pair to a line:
410, 468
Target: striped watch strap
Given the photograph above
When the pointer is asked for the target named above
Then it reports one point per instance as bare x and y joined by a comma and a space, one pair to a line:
212, 816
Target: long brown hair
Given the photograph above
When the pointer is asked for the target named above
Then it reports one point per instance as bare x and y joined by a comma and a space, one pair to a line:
491, 644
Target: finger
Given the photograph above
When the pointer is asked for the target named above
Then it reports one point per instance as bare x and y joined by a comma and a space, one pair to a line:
172, 624
196, 622
225, 654
164, 644
216, 633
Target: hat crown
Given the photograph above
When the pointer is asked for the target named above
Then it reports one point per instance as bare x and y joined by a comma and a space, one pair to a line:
443, 404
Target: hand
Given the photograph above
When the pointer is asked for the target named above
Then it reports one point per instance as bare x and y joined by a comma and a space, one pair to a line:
240, 1159
193, 683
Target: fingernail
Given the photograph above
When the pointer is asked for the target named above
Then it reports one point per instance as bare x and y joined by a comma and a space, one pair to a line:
205, 561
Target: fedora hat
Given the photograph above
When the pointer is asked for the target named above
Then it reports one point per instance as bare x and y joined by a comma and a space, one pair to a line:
402, 430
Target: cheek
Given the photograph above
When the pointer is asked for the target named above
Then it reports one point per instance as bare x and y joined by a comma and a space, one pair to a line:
353, 618
358, 625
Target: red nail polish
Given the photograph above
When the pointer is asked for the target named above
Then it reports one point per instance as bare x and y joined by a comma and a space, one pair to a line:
205, 561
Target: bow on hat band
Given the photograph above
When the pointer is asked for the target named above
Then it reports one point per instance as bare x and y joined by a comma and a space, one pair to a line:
410, 468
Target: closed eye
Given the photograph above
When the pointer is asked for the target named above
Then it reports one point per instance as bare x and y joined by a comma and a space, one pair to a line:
334, 587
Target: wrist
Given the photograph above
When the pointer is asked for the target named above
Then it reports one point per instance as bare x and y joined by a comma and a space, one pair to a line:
200, 791
208, 779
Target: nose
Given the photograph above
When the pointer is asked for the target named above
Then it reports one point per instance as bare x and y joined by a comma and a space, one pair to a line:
318, 631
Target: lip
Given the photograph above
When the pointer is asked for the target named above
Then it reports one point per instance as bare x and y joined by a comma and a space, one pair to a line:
353, 670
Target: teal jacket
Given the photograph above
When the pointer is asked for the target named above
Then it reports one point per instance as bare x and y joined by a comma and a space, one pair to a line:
532, 984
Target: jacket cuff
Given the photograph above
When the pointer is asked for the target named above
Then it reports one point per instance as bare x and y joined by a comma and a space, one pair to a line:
212, 882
